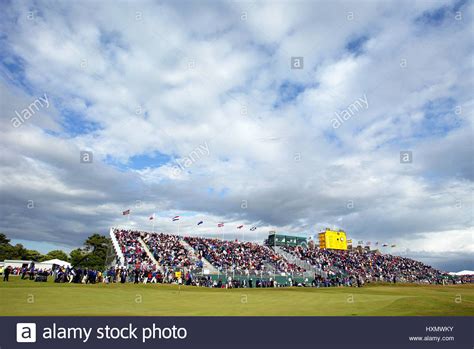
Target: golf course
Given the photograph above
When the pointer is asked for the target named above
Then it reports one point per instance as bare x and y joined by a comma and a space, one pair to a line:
28, 298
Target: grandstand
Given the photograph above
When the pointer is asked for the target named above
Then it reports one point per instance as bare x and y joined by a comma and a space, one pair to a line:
142, 253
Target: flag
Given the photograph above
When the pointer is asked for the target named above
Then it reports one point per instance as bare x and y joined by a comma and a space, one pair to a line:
124, 213
152, 217
220, 225
175, 218
200, 222
253, 228
240, 227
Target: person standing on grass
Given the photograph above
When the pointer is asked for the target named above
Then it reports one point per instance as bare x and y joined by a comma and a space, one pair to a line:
137, 274
6, 273
32, 270
123, 276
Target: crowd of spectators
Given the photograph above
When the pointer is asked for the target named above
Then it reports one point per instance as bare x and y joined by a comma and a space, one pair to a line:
168, 250
133, 251
368, 265
241, 257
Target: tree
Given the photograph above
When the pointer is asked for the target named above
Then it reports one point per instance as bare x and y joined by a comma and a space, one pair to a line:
5, 247
18, 252
94, 253
32, 255
76, 256
4, 240
97, 242
96, 245
6, 252
55, 254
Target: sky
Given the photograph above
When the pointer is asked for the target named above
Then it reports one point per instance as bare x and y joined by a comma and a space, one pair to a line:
284, 116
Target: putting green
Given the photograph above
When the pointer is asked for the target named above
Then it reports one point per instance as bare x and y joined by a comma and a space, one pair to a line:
24, 297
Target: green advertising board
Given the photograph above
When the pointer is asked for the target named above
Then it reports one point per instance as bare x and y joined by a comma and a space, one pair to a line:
285, 240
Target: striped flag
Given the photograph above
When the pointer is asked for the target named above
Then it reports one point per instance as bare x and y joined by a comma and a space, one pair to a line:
220, 225
175, 218
124, 213
240, 227
200, 222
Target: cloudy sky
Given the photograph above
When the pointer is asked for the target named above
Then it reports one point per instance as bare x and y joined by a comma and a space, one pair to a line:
287, 116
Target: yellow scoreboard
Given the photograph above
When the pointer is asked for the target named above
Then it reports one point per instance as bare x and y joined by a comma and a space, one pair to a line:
335, 240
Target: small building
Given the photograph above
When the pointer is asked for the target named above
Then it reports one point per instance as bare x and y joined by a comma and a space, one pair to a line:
275, 239
331, 239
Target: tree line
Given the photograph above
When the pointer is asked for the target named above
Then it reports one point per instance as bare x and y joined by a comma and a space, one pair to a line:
92, 254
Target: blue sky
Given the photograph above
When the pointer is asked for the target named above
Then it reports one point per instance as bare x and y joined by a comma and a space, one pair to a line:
198, 113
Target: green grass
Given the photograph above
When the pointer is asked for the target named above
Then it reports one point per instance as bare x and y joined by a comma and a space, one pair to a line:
24, 297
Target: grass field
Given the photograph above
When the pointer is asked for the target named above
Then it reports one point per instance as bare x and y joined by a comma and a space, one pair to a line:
24, 297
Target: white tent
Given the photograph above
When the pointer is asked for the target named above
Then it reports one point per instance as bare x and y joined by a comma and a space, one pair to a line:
57, 262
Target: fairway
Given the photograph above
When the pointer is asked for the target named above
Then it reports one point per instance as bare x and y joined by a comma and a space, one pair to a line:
23, 297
